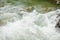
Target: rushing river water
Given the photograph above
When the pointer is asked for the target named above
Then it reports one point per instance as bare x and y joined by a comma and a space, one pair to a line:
16, 24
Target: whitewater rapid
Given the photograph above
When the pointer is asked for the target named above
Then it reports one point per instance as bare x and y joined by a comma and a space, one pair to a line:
22, 25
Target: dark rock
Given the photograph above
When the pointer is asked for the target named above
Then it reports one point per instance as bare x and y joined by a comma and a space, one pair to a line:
29, 9
58, 24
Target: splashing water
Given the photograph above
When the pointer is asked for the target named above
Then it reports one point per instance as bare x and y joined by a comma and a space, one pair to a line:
22, 25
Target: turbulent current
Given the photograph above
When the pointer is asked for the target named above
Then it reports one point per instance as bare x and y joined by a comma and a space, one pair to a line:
16, 24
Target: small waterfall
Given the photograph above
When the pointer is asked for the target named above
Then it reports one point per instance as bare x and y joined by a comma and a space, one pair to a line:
22, 25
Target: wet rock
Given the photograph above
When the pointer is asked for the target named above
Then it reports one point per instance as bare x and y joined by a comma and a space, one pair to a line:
58, 24
57, 1
2, 23
29, 9
45, 9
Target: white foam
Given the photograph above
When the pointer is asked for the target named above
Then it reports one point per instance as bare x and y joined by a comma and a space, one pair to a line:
28, 29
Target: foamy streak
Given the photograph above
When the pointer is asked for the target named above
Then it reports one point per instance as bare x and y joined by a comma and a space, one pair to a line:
28, 29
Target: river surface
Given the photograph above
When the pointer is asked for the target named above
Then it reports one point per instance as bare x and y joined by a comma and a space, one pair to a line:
18, 24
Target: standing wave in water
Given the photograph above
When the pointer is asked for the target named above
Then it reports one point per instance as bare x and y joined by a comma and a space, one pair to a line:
22, 25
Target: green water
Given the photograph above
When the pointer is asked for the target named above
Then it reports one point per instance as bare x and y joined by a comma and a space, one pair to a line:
31, 2
46, 5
